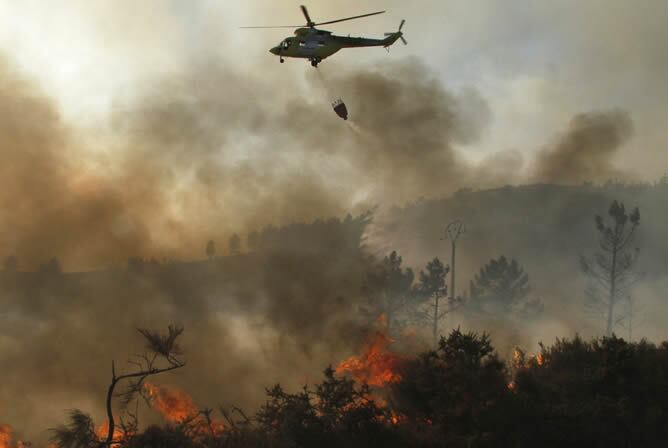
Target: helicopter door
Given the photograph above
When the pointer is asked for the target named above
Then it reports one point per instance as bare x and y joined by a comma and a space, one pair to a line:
308, 47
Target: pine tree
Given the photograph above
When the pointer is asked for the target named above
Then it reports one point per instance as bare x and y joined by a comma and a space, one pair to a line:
610, 270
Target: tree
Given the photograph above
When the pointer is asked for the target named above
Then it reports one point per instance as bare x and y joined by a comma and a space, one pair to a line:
80, 432
391, 287
51, 267
456, 388
500, 287
11, 264
606, 393
337, 413
235, 244
630, 315
211, 249
610, 269
432, 287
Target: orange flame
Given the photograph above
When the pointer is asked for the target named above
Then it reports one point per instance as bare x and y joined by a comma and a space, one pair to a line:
376, 366
174, 405
102, 430
177, 406
397, 418
5, 436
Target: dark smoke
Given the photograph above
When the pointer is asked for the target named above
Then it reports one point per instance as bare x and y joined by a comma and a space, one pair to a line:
208, 153
585, 151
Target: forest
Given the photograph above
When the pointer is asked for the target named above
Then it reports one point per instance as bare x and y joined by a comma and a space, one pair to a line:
357, 346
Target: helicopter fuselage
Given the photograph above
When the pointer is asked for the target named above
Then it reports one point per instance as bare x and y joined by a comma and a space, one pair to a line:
316, 45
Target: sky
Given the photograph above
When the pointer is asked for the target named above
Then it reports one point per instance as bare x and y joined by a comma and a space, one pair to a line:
513, 78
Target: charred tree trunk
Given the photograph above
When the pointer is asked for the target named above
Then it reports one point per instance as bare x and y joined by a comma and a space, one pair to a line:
110, 413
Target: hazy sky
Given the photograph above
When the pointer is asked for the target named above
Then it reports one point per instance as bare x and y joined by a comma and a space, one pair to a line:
536, 63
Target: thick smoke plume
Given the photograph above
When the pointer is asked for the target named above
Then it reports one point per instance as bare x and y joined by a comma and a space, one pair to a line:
206, 153
52, 206
585, 151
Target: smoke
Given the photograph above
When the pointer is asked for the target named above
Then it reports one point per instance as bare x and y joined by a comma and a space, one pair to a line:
55, 204
208, 152
586, 150
199, 154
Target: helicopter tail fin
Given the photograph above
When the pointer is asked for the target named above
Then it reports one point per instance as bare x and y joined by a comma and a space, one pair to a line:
393, 37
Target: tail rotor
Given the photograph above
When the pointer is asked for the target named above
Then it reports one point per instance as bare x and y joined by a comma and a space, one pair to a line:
399, 34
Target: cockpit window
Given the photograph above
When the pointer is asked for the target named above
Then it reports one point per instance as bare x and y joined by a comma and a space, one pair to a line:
285, 44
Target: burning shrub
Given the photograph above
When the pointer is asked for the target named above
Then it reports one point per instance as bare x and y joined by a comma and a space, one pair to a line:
337, 413
376, 366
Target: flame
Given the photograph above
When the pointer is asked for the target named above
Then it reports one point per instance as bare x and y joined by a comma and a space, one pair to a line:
376, 366
177, 406
540, 360
5, 436
395, 418
173, 404
102, 430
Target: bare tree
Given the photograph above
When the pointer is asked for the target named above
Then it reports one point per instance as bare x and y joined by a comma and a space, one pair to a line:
610, 270
158, 348
162, 355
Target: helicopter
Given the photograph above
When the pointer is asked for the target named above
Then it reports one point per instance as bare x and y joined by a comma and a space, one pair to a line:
316, 45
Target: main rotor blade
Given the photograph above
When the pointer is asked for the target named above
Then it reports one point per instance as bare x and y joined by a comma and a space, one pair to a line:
279, 26
309, 22
349, 18
402, 24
